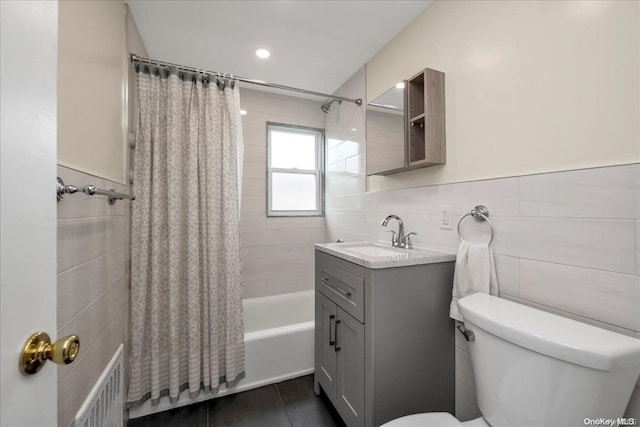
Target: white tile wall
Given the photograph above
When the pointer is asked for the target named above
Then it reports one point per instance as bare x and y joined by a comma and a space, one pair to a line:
466, 409
566, 242
612, 298
588, 193
604, 244
464, 373
638, 247
508, 270
277, 253
93, 282
347, 202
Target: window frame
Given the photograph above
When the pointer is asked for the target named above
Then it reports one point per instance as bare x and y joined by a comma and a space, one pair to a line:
318, 171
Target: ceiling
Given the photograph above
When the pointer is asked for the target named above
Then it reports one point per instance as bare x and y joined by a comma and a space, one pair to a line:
315, 45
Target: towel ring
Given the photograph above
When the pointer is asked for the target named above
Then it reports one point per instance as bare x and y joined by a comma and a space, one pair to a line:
480, 213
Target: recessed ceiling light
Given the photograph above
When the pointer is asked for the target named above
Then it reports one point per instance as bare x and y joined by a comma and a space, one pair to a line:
354, 129
400, 85
262, 53
243, 112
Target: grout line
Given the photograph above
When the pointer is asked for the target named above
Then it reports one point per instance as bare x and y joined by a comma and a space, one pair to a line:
462, 349
284, 407
110, 288
529, 174
565, 264
637, 270
91, 347
475, 402
90, 175
92, 259
519, 197
572, 316
549, 217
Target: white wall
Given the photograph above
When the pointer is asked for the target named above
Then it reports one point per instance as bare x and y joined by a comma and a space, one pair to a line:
277, 253
92, 65
530, 86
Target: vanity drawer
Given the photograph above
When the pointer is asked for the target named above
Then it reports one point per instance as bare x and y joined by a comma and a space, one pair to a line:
342, 282
348, 266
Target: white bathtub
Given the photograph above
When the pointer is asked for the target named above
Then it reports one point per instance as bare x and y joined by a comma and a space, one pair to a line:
279, 340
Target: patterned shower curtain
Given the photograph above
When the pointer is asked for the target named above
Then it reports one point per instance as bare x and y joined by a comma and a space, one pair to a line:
186, 308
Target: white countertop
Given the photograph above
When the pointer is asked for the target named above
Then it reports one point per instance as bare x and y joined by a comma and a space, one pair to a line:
377, 255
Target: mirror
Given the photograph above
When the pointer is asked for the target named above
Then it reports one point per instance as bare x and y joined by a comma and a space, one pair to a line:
386, 132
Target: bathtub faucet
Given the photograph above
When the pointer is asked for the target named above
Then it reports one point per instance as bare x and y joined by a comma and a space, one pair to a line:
399, 240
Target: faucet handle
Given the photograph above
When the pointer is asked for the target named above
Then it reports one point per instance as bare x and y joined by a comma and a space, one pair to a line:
394, 237
407, 240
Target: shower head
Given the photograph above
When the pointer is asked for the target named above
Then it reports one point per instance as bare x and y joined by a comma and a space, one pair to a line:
326, 107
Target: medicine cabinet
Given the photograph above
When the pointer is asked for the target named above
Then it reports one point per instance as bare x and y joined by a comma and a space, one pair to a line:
406, 125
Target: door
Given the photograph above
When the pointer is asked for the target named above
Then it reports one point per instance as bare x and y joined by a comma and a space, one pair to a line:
349, 349
28, 65
325, 345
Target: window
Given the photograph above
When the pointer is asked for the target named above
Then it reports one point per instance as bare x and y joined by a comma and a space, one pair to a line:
295, 170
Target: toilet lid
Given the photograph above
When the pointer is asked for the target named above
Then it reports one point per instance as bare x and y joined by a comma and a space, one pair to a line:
431, 419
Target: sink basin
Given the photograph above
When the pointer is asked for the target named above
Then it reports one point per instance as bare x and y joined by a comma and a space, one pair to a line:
377, 255
377, 251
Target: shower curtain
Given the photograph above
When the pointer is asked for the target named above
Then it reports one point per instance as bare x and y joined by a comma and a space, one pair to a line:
186, 295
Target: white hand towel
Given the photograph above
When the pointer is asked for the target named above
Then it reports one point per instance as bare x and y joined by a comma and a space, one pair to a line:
475, 272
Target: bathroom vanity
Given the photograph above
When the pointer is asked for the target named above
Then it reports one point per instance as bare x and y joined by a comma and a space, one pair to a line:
384, 342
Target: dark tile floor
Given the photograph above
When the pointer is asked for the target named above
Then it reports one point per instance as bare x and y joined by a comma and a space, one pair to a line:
287, 404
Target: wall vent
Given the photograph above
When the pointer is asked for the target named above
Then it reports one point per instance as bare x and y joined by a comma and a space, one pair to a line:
103, 406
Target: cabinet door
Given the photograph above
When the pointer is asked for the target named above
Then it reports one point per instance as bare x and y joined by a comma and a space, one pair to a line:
349, 349
325, 345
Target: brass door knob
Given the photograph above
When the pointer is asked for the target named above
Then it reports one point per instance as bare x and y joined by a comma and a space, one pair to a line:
38, 349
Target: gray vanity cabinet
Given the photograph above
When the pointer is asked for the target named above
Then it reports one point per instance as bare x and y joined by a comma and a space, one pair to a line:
340, 338
326, 360
350, 370
384, 339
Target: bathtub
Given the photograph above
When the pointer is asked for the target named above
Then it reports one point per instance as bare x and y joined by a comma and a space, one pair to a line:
279, 343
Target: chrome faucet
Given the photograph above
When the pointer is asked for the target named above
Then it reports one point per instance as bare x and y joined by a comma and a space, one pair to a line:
399, 240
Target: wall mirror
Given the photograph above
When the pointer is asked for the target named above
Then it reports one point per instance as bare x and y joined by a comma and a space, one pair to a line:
386, 132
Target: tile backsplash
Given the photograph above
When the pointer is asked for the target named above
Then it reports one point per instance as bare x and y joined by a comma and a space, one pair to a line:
93, 284
561, 256
565, 242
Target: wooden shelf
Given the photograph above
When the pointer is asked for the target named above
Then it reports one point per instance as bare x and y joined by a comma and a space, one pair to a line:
418, 118
426, 142
415, 95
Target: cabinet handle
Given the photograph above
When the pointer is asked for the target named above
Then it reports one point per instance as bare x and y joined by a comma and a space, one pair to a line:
331, 341
335, 334
335, 288
343, 292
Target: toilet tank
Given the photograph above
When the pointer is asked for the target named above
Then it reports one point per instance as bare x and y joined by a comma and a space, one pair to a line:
534, 368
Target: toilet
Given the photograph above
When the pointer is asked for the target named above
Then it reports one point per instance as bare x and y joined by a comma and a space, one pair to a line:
534, 368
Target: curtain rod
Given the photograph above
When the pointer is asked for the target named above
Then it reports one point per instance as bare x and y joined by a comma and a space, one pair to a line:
136, 58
